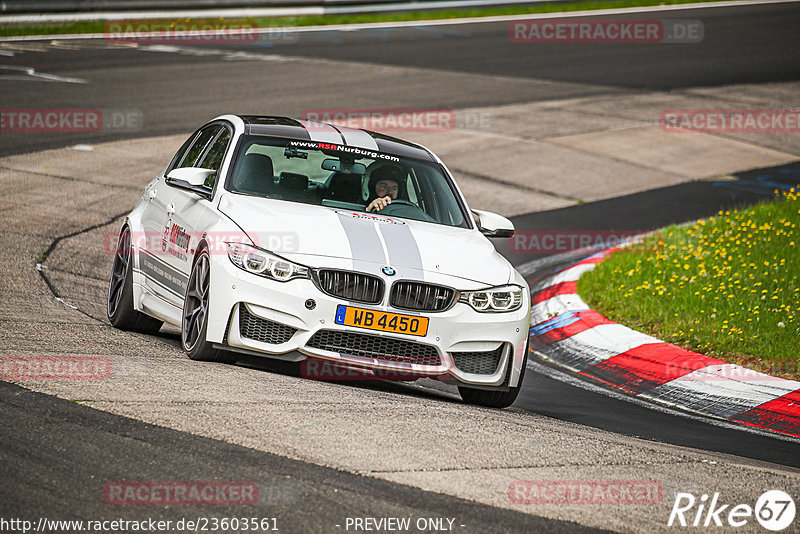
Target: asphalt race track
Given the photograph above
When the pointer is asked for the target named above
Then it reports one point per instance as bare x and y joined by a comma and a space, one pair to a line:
462, 66
59, 454
123, 446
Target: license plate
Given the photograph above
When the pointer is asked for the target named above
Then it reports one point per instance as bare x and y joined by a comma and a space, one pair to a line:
383, 321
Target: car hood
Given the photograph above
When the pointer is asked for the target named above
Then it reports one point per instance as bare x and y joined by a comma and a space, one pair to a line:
314, 235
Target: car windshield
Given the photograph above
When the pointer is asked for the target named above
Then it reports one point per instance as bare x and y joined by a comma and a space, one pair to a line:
344, 177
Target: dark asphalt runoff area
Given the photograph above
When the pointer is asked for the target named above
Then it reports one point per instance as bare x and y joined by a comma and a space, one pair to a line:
61, 455
744, 44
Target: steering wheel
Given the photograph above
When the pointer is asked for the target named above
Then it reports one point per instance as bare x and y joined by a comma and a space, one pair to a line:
405, 208
400, 202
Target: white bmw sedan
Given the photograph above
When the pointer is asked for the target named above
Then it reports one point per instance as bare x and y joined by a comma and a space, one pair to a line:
310, 242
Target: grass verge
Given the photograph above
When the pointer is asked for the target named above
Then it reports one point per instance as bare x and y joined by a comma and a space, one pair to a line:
11, 30
727, 286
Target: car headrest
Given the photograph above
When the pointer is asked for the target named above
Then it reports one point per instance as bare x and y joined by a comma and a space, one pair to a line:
346, 187
255, 174
290, 181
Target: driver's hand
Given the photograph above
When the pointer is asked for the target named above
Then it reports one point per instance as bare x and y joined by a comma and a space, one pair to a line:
379, 203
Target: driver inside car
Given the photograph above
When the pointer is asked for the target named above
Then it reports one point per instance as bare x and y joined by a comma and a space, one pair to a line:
384, 186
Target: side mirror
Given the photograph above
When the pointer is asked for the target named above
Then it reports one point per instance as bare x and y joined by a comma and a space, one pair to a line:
191, 179
493, 225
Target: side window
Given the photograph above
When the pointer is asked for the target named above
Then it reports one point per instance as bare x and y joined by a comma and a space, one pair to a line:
215, 154
180, 154
200, 143
411, 187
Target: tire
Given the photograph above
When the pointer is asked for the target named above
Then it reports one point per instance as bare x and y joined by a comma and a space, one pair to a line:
495, 399
119, 309
194, 322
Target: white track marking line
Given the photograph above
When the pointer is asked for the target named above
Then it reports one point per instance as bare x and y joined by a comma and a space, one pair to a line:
31, 73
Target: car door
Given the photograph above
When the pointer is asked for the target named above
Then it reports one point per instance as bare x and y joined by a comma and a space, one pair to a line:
186, 223
160, 245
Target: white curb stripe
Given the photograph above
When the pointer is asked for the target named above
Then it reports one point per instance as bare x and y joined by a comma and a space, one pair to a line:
602, 342
569, 275
710, 390
730, 372
556, 306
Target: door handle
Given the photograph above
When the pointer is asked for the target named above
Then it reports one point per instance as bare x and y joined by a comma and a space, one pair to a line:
170, 209
152, 194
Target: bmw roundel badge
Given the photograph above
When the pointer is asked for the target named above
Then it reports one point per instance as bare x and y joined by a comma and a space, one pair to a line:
388, 271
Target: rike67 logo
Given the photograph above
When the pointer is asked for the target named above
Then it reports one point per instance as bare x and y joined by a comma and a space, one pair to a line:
774, 510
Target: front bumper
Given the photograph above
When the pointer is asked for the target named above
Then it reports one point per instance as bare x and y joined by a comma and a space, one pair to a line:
456, 336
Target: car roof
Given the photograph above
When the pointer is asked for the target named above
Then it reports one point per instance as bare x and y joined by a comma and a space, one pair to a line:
334, 134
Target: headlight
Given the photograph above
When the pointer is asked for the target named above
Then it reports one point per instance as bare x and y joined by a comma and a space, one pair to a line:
263, 263
495, 299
